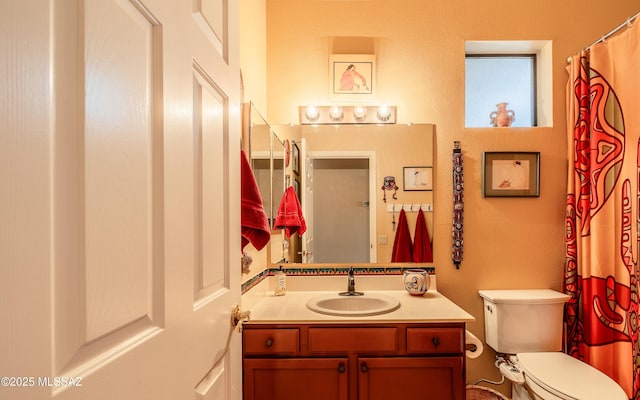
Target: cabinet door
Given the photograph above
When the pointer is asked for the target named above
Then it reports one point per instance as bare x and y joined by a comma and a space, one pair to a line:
296, 379
433, 378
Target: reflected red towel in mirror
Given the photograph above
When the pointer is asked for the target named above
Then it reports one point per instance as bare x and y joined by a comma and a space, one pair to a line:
422, 251
402, 246
290, 216
253, 218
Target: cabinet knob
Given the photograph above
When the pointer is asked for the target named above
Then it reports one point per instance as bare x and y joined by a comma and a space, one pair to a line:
436, 341
341, 368
268, 342
364, 367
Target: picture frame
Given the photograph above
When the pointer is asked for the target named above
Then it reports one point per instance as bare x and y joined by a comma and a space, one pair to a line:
352, 77
295, 158
296, 186
511, 174
417, 178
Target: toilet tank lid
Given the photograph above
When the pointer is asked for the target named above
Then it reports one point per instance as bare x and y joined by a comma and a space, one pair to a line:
529, 296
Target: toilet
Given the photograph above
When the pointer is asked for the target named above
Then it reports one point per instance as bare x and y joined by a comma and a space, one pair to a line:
525, 326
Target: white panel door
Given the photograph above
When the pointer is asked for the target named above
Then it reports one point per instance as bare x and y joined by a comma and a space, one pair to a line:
119, 205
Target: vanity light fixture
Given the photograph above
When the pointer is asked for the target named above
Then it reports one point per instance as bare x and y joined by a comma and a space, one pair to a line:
338, 114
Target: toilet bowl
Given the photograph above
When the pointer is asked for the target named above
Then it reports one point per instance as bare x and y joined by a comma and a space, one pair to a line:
558, 376
526, 327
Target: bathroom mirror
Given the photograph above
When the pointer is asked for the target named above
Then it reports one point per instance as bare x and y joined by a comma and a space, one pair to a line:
339, 172
267, 157
260, 154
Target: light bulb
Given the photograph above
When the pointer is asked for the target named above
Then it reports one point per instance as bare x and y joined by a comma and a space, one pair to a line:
336, 113
360, 113
312, 113
384, 113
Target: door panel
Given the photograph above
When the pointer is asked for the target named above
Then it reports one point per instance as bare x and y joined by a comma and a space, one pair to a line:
120, 169
109, 285
296, 378
434, 378
211, 205
212, 20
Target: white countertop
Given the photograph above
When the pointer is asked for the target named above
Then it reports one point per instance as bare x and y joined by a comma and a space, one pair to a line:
291, 308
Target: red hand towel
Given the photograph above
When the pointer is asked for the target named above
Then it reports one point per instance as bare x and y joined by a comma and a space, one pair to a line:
421, 242
253, 219
289, 215
402, 243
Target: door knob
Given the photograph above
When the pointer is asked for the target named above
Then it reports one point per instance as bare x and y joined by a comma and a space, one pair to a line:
238, 317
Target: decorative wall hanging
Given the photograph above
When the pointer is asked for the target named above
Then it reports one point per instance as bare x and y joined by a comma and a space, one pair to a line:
389, 184
352, 77
510, 174
295, 158
417, 178
458, 205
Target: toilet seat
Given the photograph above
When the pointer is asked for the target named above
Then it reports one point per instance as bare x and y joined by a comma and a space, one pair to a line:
567, 378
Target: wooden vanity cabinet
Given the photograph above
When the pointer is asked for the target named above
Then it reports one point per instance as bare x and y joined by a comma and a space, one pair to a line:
354, 361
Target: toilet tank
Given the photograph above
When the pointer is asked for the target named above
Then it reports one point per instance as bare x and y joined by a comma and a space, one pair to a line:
522, 321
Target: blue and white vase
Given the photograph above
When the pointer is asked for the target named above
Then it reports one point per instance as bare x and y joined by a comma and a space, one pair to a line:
416, 281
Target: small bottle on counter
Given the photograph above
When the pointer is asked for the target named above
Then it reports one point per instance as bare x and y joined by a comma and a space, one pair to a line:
281, 282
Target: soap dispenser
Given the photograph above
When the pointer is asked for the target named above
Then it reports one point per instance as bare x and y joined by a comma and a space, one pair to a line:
281, 282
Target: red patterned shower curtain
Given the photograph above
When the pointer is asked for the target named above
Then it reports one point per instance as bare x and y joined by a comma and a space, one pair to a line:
603, 203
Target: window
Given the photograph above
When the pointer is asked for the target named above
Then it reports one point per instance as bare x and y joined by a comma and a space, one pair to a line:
517, 72
493, 79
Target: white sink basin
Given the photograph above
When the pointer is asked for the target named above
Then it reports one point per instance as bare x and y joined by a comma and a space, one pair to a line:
356, 306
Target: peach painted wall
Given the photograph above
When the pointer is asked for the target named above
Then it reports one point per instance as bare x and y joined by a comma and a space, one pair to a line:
253, 52
509, 243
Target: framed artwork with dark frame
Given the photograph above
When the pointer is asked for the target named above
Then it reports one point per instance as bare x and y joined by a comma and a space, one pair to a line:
417, 178
352, 77
295, 158
511, 174
296, 186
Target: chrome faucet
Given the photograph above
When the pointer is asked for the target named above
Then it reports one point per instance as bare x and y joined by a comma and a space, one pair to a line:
351, 281
351, 285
